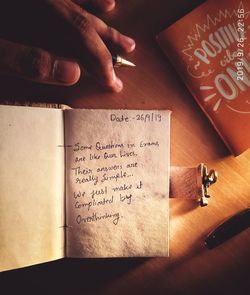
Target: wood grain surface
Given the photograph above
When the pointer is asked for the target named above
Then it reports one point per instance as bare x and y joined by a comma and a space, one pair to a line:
153, 84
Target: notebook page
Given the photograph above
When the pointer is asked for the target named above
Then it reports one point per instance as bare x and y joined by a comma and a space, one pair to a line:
31, 186
117, 172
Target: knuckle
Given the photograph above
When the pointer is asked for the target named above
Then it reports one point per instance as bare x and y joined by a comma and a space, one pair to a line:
113, 33
106, 69
80, 21
36, 64
109, 82
105, 56
108, 77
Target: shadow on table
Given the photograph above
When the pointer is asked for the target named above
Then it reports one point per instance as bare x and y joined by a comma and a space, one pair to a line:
67, 276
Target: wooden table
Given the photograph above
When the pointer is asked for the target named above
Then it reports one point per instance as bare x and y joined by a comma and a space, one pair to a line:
191, 269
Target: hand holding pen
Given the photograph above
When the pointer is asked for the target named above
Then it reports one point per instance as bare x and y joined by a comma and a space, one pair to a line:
89, 36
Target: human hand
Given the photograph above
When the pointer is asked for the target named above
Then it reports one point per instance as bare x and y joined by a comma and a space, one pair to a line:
91, 34
102, 5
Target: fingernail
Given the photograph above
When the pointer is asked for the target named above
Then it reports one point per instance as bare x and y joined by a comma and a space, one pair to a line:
118, 85
108, 5
110, 2
131, 44
66, 72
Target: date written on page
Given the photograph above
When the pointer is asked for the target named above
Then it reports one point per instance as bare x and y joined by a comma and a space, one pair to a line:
145, 117
241, 43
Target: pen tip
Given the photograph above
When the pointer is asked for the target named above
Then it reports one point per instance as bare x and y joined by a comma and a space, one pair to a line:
119, 61
129, 63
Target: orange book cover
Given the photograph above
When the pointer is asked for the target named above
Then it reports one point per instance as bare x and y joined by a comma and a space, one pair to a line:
210, 48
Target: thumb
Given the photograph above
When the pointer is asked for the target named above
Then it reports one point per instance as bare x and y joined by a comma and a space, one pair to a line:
36, 64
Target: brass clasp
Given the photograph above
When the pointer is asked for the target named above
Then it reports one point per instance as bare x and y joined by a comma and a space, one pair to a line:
207, 178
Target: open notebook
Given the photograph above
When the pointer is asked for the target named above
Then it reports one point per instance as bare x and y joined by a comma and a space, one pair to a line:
82, 183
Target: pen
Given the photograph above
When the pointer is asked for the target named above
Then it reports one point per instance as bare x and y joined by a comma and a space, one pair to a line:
232, 226
118, 61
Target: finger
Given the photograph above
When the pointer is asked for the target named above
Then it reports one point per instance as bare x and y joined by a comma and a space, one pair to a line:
110, 34
103, 5
94, 54
36, 64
